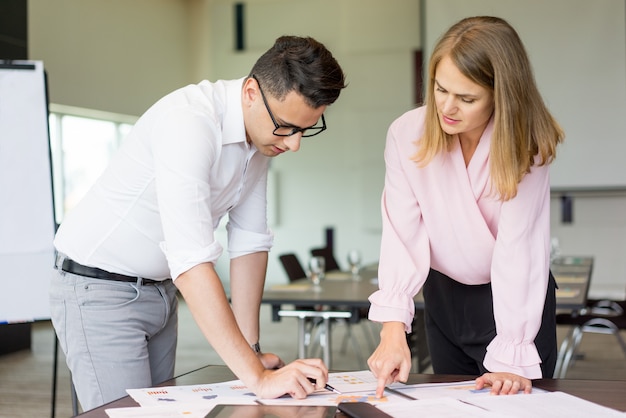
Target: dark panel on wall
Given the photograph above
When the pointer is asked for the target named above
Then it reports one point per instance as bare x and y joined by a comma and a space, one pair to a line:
418, 71
240, 43
13, 29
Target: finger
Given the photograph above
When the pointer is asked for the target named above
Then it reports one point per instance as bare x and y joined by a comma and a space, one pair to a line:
515, 387
496, 386
507, 386
314, 362
385, 378
280, 364
318, 374
380, 387
402, 375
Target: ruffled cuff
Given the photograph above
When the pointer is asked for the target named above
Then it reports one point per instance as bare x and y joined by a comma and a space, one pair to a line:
242, 242
181, 261
388, 307
521, 359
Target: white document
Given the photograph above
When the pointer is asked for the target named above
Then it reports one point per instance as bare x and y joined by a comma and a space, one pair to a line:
437, 407
548, 404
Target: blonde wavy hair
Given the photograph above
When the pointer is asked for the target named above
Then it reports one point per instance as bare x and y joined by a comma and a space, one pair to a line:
488, 51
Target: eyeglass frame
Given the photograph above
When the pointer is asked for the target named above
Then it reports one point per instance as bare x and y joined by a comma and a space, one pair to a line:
294, 129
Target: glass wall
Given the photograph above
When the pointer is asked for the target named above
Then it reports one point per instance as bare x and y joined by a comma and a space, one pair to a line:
81, 147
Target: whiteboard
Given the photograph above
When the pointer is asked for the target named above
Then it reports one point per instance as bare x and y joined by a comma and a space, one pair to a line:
578, 52
27, 222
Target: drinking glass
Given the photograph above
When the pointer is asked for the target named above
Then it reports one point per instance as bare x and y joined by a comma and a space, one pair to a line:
354, 260
317, 267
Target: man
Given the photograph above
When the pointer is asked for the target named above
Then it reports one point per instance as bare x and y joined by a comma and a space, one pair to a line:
146, 230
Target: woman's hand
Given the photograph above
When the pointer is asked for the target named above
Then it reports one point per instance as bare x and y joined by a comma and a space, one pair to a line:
504, 383
391, 361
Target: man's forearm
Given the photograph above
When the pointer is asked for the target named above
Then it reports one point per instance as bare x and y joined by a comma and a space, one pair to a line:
206, 299
247, 278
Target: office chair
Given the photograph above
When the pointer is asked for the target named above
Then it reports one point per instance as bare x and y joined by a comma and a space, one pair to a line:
329, 257
292, 266
599, 316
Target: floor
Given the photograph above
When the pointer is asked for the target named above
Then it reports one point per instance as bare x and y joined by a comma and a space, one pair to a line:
26, 377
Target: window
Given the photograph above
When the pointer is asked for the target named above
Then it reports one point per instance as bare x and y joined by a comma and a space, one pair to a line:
82, 143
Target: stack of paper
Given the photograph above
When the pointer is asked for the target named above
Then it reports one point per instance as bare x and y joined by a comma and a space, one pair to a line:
447, 400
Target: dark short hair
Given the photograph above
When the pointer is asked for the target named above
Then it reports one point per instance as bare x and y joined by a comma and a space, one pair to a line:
301, 64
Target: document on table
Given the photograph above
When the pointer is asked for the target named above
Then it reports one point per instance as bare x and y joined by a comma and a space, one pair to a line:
460, 399
447, 400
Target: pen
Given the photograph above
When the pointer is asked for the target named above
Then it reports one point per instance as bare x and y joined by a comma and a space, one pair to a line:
327, 386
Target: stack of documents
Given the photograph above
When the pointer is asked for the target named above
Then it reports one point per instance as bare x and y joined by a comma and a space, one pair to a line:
448, 400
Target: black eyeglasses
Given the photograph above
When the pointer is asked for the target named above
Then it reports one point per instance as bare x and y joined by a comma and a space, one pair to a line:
282, 130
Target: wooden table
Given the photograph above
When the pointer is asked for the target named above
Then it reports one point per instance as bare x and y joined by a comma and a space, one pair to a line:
572, 274
338, 289
603, 392
340, 292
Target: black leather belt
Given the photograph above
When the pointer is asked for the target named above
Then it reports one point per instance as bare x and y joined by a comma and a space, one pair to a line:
72, 266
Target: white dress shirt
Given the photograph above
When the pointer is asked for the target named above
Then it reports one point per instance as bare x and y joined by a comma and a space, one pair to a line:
185, 164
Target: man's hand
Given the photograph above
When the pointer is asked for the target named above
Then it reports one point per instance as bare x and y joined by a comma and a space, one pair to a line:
504, 383
271, 360
293, 379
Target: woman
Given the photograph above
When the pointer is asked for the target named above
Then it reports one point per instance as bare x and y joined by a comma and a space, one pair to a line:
466, 216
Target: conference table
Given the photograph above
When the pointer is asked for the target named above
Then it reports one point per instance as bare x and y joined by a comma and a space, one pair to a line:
339, 288
603, 392
342, 295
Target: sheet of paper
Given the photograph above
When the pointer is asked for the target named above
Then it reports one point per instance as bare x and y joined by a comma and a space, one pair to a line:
329, 398
562, 279
548, 404
338, 275
358, 381
464, 390
162, 411
233, 391
567, 293
437, 407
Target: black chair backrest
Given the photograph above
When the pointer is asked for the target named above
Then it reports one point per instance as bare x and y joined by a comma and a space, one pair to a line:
292, 266
327, 253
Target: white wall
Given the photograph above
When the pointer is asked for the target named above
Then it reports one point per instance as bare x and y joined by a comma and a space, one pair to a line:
598, 229
114, 55
121, 55
336, 178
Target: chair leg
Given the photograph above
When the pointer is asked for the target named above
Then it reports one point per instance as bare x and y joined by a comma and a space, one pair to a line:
301, 338
325, 342
577, 334
561, 354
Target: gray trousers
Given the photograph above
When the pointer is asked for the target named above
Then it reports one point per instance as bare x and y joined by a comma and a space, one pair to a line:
115, 335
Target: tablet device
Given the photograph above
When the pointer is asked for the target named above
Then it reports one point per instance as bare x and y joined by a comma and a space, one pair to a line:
362, 410
272, 411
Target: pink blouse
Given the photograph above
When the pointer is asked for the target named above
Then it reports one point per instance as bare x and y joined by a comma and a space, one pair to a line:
443, 216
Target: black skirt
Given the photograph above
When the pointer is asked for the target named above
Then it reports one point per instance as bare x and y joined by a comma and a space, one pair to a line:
460, 325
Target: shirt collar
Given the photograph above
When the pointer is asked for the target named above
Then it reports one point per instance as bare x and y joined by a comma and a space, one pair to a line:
233, 128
